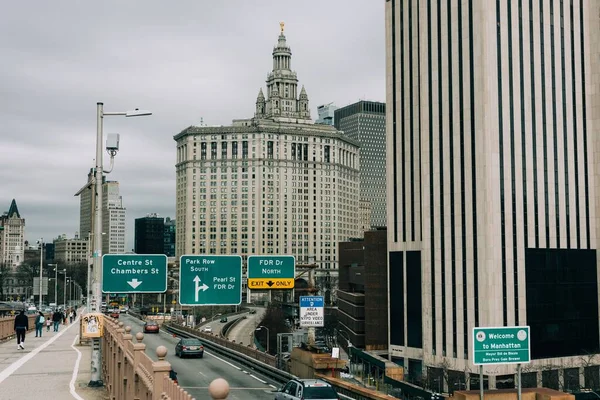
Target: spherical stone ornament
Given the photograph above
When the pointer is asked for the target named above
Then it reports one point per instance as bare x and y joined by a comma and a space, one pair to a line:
139, 336
161, 352
218, 389
127, 329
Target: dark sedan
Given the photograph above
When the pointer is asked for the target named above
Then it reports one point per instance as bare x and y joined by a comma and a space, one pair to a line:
189, 347
151, 327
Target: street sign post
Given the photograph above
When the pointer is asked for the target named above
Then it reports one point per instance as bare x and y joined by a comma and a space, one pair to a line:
312, 311
210, 280
271, 272
134, 273
501, 345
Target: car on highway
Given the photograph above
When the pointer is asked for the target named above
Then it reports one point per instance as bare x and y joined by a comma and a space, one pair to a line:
253, 311
151, 326
114, 313
305, 389
207, 329
189, 347
223, 319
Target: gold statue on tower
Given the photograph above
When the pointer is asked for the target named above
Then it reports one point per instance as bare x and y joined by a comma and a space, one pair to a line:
282, 26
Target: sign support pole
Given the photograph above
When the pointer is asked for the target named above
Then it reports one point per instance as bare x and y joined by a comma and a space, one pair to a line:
519, 381
481, 382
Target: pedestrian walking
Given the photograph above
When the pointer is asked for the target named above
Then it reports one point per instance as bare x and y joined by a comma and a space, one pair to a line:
71, 316
48, 323
21, 326
39, 324
57, 318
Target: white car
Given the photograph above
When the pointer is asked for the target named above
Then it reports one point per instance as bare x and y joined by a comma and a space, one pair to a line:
300, 389
207, 329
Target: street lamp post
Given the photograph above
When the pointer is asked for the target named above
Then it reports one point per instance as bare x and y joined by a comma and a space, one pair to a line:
267, 329
41, 244
55, 282
96, 360
65, 290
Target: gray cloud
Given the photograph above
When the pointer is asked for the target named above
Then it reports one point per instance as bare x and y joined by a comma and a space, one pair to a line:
183, 60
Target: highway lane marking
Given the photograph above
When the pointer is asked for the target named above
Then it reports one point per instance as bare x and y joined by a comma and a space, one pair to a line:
9, 370
258, 379
200, 372
226, 362
273, 386
75, 371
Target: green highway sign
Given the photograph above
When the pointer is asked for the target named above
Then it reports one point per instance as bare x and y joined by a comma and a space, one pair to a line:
501, 345
210, 280
134, 273
271, 272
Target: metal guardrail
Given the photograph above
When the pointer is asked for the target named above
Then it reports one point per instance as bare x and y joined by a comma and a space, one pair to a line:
251, 363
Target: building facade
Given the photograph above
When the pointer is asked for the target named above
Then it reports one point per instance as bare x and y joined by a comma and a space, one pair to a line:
149, 235
362, 295
86, 206
326, 114
169, 237
113, 219
70, 251
365, 122
12, 237
492, 169
273, 184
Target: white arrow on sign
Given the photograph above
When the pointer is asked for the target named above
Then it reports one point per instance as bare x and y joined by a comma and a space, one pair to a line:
198, 287
134, 283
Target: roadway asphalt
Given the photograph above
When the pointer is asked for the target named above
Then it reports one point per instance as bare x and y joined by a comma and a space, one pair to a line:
195, 375
243, 331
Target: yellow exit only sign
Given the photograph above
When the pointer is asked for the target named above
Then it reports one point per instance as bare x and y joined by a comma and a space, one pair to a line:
271, 283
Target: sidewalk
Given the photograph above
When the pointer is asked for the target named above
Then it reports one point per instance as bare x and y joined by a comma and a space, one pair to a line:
54, 366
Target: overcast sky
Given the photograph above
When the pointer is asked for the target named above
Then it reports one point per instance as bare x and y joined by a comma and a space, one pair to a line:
183, 60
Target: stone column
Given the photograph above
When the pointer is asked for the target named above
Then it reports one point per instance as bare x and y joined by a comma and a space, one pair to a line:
138, 352
160, 369
124, 378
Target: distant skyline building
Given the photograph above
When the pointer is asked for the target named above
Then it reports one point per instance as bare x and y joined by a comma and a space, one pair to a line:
113, 219
326, 114
12, 237
364, 122
150, 235
86, 207
69, 251
273, 184
113, 214
493, 186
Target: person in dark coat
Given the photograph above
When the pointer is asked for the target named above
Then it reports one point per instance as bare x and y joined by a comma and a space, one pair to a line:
57, 318
21, 326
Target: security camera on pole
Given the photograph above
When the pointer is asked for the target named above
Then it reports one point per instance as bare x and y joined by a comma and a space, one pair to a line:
112, 147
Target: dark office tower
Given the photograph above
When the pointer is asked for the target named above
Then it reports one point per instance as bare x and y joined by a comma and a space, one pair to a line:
149, 235
169, 236
365, 122
493, 200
